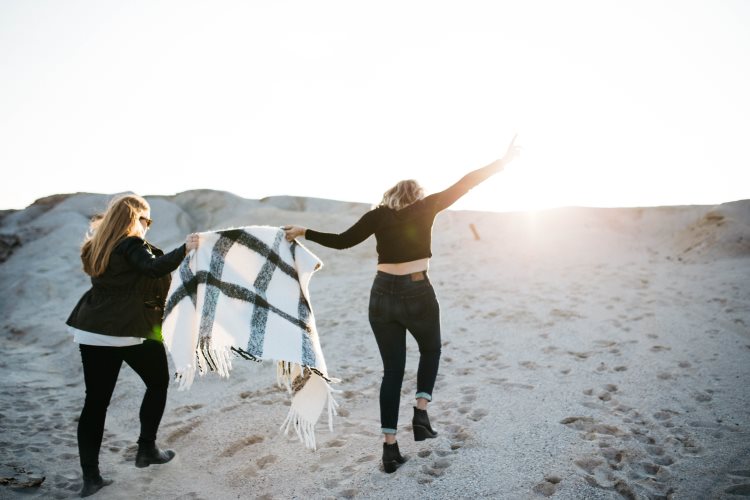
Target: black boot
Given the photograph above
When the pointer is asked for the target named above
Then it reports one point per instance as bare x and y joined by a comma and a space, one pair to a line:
392, 458
421, 425
149, 454
93, 481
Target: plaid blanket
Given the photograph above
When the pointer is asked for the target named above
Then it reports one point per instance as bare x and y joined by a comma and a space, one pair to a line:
244, 292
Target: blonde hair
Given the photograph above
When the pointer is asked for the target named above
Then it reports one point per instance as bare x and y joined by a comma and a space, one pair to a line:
402, 195
107, 229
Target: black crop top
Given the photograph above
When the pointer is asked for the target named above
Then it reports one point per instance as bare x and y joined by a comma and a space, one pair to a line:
403, 235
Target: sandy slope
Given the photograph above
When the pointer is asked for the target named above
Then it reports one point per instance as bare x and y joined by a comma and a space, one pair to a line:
588, 353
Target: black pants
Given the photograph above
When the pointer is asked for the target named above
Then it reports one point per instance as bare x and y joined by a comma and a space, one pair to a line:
398, 304
101, 366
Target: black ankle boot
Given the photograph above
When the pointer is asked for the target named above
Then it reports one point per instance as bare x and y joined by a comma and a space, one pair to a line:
392, 458
93, 482
421, 425
149, 454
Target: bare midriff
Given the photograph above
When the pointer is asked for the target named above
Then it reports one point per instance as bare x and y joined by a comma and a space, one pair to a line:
402, 268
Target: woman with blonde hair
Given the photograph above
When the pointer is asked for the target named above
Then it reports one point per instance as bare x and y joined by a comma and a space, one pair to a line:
119, 319
402, 297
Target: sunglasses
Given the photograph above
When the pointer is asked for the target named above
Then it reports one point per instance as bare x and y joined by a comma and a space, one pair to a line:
146, 220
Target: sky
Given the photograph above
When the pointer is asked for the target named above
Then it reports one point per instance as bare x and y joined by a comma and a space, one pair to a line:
627, 103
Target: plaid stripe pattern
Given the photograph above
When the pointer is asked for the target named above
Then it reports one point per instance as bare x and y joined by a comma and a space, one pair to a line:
245, 292
256, 294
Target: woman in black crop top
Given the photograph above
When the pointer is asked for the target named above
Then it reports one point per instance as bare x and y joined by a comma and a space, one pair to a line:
402, 297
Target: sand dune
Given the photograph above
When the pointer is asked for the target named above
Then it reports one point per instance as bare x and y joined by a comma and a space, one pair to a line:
587, 353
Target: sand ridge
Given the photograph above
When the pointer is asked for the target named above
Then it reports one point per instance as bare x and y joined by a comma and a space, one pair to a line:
587, 353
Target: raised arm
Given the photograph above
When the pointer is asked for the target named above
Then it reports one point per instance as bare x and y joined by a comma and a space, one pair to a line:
147, 263
355, 235
446, 198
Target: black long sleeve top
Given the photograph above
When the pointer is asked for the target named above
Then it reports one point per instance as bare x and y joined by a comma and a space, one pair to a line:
127, 300
403, 235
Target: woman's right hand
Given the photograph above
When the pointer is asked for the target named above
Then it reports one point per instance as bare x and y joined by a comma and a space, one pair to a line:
191, 242
293, 232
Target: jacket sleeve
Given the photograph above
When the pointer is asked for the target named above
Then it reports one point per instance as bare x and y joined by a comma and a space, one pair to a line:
355, 235
444, 199
144, 261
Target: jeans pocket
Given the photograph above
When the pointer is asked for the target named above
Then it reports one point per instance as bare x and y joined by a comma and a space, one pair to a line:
420, 306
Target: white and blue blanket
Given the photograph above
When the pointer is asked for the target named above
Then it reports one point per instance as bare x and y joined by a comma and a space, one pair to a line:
244, 292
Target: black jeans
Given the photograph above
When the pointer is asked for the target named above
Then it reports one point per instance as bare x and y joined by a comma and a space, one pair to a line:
397, 304
101, 366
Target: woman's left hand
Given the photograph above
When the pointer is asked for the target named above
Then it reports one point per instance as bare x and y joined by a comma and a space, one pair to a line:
513, 151
293, 232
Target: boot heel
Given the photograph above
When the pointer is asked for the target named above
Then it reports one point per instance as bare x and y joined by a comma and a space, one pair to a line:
390, 467
392, 458
421, 433
421, 426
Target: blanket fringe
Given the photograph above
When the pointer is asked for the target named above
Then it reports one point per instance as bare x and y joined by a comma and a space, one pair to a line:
207, 358
305, 428
284, 375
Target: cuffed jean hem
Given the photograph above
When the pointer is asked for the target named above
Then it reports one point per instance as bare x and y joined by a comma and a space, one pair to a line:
386, 430
424, 395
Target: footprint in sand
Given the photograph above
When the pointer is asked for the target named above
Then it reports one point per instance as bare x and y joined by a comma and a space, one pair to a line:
665, 414
660, 348
183, 431
436, 468
183, 410
548, 487
264, 462
606, 395
335, 443
478, 414
348, 493
457, 435
239, 445
591, 427
491, 356
702, 397
580, 355
741, 489
588, 464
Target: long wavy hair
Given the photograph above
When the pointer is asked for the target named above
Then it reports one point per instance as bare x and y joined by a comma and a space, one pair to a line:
402, 195
108, 228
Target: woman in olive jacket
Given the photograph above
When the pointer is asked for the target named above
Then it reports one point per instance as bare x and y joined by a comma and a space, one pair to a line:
119, 319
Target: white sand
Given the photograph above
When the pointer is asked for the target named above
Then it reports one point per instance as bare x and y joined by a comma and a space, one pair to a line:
588, 353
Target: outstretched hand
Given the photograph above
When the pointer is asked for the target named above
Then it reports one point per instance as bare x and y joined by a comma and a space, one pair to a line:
191, 241
292, 232
513, 151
